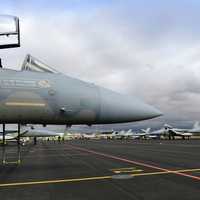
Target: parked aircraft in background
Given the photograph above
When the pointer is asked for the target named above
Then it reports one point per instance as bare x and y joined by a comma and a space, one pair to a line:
129, 134
154, 134
172, 132
30, 131
124, 134
88, 136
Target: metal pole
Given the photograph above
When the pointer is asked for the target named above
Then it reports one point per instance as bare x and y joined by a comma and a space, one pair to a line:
4, 143
18, 144
35, 140
4, 134
18, 136
1, 64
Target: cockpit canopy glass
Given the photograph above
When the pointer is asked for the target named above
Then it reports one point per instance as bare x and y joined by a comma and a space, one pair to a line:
32, 64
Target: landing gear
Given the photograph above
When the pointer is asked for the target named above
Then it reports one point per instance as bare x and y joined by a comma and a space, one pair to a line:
171, 137
35, 140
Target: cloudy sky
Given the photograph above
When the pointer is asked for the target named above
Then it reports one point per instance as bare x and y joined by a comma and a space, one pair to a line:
144, 48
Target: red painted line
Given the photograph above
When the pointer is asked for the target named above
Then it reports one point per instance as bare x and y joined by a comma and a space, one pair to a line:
187, 175
135, 162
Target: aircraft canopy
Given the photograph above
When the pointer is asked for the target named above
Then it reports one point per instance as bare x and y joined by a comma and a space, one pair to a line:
32, 64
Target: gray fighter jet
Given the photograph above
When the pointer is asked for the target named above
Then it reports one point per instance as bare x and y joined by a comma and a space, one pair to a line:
38, 94
184, 133
27, 131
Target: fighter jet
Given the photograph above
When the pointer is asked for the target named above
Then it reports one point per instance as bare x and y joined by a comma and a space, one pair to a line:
39, 94
30, 131
88, 136
148, 134
182, 132
123, 134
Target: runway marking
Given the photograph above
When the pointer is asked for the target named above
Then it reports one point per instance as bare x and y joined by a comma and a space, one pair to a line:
91, 178
126, 170
135, 162
55, 181
123, 168
167, 172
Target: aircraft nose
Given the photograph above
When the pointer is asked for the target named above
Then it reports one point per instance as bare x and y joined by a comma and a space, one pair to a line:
117, 108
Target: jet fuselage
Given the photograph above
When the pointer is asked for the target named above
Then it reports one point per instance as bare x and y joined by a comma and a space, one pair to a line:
54, 98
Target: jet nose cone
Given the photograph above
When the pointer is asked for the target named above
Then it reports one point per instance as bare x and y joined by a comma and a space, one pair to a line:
117, 108
148, 111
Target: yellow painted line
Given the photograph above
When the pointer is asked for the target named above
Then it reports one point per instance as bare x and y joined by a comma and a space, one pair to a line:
128, 171
124, 168
55, 181
91, 178
25, 104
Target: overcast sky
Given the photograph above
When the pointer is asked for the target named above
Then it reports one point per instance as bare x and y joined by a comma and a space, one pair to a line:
149, 49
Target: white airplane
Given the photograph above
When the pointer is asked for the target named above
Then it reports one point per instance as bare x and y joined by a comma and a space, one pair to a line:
40, 132
30, 131
194, 129
154, 134
113, 135
123, 134
104, 136
88, 136
72, 135
132, 135
182, 132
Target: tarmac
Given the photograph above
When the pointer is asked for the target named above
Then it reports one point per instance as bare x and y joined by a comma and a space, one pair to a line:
104, 169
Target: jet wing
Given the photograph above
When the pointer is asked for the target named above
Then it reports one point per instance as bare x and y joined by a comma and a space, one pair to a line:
184, 134
41, 133
8, 137
138, 135
8, 132
11, 134
180, 133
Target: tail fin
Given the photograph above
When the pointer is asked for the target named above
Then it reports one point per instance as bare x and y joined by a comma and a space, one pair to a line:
146, 130
167, 126
196, 125
114, 133
129, 131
